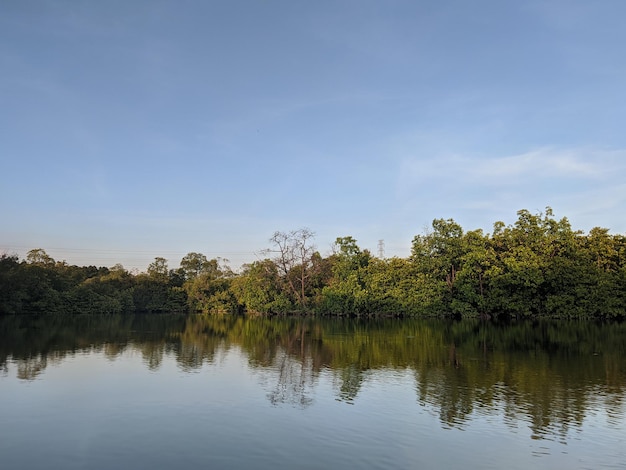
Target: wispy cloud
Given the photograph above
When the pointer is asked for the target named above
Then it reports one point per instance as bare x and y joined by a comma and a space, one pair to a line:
544, 163
586, 185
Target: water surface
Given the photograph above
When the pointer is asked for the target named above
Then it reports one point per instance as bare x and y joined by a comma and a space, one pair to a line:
236, 392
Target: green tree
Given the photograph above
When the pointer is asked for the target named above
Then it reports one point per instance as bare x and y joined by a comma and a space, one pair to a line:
395, 287
153, 292
537, 264
39, 257
346, 292
12, 293
193, 264
477, 267
438, 256
208, 288
158, 270
258, 289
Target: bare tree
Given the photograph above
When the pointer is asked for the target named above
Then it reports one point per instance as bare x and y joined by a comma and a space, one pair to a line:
293, 251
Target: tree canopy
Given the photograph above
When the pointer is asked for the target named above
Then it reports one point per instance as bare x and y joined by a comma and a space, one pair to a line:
539, 266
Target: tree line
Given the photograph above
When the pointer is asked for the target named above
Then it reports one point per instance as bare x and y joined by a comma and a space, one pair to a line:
536, 267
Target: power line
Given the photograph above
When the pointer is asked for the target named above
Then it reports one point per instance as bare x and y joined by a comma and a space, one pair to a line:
112, 251
129, 258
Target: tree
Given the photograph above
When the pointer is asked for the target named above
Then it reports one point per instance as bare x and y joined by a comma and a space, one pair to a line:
293, 259
12, 292
193, 264
440, 251
438, 255
537, 266
346, 292
478, 266
258, 288
350, 256
208, 285
157, 270
39, 257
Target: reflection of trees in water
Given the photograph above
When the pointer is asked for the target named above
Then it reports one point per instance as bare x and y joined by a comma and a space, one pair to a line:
113, 350
198, 343
32, 367
193, 356
547, 375
32, 343
350, 379
295, 379
152, 353
285, 353
29, 369
552, 395
448, 390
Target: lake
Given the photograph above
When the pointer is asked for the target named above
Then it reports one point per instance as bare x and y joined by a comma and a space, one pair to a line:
236, 392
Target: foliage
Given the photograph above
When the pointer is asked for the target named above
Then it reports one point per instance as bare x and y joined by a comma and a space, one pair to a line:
258, 289
536, 267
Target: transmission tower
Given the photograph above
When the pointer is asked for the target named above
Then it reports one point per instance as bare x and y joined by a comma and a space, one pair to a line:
381, 249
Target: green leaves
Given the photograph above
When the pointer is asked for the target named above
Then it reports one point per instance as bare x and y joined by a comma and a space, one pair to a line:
538, 266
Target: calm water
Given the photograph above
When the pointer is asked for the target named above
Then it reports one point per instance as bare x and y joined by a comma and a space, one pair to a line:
231, 392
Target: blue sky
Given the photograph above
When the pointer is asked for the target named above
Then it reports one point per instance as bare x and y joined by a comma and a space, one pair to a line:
131, 130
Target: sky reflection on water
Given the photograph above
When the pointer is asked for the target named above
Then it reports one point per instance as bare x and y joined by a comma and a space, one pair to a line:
242, 401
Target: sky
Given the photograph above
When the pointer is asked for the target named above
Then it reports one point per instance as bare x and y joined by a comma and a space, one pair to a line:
155, 128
